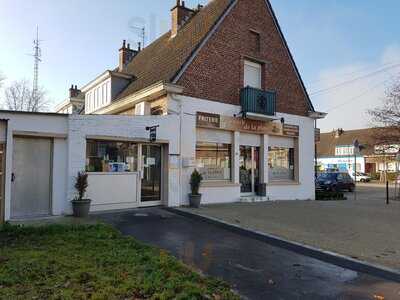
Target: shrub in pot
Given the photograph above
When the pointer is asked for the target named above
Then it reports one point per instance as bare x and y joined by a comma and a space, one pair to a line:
195, 181
81, 205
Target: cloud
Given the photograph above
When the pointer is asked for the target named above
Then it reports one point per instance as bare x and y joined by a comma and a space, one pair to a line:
391, 54
347, 92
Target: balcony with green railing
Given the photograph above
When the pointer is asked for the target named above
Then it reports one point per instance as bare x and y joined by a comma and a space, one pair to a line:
256, 101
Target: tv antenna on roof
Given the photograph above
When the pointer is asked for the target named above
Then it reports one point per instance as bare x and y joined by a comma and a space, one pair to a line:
142, 33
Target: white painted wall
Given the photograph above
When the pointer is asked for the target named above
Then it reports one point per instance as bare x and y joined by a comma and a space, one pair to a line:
118, 128
219, 195
306, 188
99, 96
177, 130
60, 166
69, 134
113, 190
47, 125
187, 107
349, 160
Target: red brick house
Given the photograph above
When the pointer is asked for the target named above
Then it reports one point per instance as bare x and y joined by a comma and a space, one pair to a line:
246, 121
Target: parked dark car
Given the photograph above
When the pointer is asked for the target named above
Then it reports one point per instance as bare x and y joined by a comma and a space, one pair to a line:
335, 181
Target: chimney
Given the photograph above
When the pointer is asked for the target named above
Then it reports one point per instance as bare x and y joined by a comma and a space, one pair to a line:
338, 132
126, 54
74, 92
180, 14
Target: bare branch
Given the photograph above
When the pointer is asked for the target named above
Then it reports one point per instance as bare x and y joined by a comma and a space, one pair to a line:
388, 116
2, 78
19, 96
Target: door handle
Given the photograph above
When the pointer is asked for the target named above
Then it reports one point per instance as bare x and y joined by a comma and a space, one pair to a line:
12, 177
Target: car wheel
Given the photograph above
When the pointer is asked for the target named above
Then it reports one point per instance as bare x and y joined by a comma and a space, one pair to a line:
351, 189
362, 180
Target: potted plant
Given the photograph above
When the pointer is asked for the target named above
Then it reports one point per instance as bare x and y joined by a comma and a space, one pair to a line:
195, 196
80, 205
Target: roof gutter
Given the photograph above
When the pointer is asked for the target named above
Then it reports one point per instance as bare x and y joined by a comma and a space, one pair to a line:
68, 101
103, 76
317, 115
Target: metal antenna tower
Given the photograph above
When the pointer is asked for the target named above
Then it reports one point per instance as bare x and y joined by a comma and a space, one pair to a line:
37, 54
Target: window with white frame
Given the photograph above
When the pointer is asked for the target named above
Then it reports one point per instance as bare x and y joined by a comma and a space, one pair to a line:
252, 74
98, 97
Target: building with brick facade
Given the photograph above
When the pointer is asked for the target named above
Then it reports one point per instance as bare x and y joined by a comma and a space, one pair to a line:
226, 98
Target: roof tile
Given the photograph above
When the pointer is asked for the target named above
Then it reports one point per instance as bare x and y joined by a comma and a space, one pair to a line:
163, 59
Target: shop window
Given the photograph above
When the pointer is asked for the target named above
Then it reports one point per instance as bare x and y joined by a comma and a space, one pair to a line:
111, 156
281, 164
214, 161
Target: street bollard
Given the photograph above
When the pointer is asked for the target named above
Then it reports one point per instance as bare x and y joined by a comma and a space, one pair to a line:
387, 192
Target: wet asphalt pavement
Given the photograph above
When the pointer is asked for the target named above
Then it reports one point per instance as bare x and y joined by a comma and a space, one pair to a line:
255, 269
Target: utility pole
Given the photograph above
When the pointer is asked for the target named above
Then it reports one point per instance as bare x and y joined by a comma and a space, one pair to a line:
396, 179
37, 54
356, 147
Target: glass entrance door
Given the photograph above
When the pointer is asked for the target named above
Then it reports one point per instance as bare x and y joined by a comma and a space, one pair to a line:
249, 169
151, 177
246, 170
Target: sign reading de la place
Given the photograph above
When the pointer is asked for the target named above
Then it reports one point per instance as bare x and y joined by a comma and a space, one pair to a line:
214, 121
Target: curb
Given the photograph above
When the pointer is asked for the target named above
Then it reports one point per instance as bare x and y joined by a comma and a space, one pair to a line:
326, 256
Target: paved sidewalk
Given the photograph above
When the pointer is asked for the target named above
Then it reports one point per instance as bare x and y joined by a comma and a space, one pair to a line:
365, 229
257, 270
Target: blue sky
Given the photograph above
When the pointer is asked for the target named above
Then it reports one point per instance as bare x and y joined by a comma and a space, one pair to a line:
332, 42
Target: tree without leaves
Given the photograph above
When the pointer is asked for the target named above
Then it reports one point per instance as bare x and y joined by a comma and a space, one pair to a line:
387, 117
1, 79
19, 96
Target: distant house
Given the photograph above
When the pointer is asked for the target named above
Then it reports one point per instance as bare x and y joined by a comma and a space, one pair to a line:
336, 151
74, 104
225, 95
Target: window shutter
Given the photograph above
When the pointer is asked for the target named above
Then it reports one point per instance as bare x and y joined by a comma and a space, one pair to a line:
252, 74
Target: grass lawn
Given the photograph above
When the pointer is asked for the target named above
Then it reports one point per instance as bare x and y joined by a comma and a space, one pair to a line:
94, 262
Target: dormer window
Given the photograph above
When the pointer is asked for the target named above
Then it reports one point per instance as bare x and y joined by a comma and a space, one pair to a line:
102, 91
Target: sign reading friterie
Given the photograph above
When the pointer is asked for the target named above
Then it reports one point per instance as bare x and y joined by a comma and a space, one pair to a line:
208, 120
213, 121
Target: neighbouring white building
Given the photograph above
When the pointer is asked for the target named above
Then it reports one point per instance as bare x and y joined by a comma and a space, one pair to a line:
234, 108
335, 151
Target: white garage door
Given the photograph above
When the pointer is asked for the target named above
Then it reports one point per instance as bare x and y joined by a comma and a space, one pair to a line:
31, 177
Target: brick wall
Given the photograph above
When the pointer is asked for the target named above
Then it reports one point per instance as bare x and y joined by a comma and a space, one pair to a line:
217, 71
